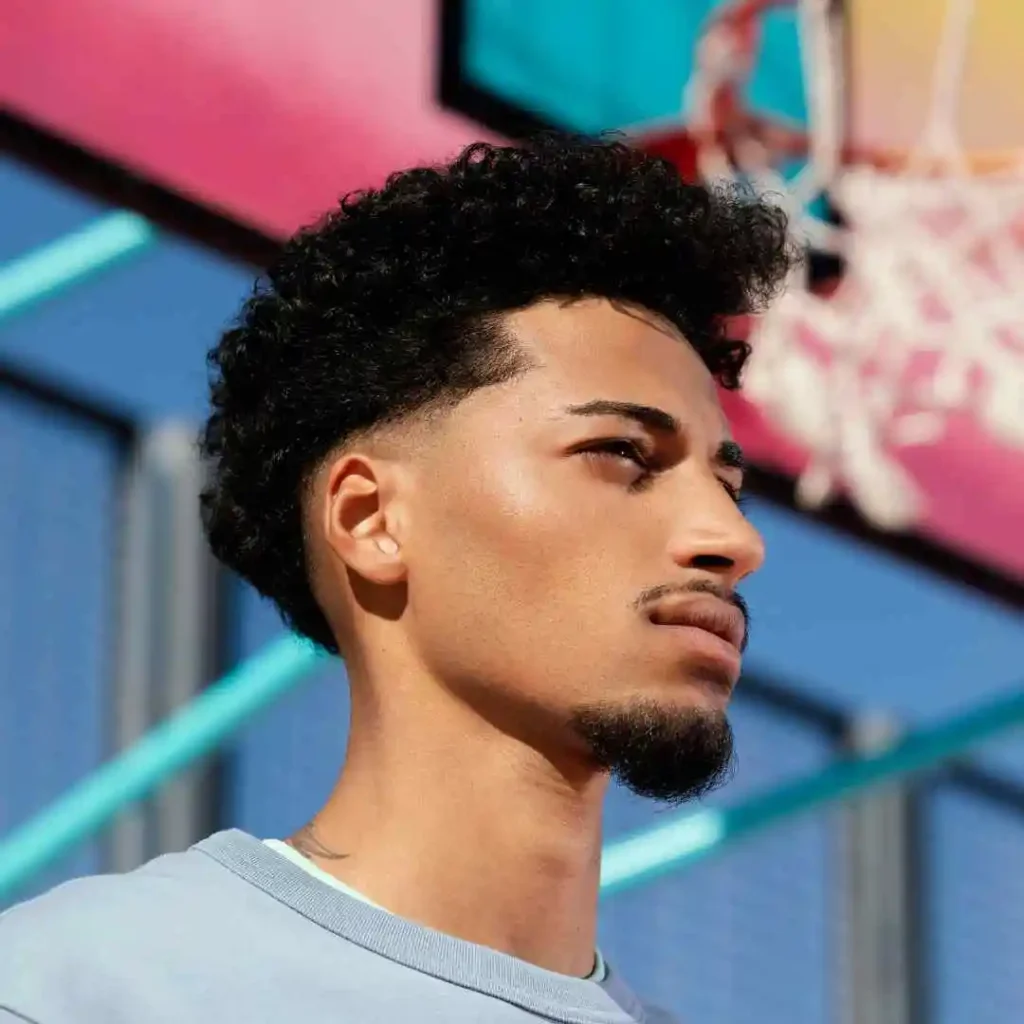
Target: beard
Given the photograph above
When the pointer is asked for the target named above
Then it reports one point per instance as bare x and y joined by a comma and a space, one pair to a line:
662, 753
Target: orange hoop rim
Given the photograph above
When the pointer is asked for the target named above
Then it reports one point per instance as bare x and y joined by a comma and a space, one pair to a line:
993, 163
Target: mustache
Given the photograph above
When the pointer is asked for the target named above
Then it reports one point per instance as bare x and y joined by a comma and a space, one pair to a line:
711, 587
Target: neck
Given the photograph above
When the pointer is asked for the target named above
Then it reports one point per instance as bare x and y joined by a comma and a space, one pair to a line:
462, 828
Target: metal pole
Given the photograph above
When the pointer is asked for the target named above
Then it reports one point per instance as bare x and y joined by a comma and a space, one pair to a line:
130, 711
881, 884
169, 630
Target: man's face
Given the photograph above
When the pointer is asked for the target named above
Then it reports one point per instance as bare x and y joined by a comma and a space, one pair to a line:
572, 555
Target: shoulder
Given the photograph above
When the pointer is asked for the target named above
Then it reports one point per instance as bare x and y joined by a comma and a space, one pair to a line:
70, 915
66, 954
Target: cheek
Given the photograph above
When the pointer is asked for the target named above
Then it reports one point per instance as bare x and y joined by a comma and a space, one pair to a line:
506, 524
522, 552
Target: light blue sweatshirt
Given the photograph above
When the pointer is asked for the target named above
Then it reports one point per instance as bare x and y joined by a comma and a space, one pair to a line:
231, 930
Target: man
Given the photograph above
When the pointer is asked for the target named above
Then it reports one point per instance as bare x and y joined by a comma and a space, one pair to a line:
466, 435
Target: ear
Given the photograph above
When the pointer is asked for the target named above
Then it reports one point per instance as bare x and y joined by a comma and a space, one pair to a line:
357, 520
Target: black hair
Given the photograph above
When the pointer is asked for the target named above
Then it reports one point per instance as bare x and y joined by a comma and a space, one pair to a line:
390, 305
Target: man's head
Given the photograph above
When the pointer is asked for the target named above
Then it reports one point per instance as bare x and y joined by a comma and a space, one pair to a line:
469, 431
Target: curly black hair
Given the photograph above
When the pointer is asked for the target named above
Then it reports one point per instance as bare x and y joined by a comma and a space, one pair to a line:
390, 303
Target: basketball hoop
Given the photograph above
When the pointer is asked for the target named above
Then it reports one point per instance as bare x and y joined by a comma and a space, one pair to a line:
927, 320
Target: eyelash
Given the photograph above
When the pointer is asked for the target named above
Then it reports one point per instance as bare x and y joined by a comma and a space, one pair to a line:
625, 448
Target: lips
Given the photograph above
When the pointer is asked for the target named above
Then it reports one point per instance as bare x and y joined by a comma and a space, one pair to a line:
708, 613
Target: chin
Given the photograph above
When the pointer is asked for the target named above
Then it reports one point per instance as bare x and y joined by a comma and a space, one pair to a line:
668, 749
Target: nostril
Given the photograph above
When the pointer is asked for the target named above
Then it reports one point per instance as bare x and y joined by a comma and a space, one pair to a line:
712, 562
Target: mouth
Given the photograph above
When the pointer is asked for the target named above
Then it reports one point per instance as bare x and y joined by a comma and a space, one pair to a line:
709, 614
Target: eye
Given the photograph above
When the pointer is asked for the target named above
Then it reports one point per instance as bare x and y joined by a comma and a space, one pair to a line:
623, 449
620, 448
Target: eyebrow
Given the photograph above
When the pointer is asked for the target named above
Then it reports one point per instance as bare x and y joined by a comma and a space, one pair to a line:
645, 415
729, 454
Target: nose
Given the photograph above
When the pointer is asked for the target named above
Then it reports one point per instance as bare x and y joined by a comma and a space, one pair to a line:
714, 536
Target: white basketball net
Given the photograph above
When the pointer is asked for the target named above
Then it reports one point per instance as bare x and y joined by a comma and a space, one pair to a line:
928, 319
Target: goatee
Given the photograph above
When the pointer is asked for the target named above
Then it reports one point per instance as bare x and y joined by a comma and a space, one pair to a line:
657, 751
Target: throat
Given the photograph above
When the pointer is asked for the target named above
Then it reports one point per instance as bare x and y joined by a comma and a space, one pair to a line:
515, 868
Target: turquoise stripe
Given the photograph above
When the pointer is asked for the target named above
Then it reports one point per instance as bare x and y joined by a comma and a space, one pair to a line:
72, 258
626, 862
184, 738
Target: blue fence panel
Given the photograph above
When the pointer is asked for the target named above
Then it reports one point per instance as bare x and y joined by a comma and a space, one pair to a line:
975, 889
281, 767
59, 512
